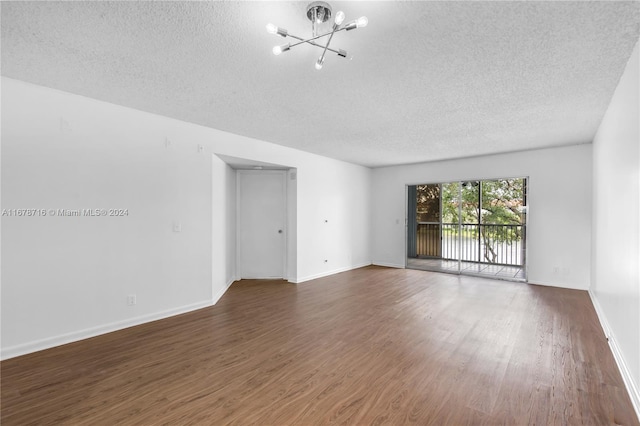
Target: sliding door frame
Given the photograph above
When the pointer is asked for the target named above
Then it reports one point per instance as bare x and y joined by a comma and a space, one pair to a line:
524, 245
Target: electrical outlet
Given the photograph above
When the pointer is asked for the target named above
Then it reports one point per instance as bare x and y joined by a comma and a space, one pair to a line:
131, 300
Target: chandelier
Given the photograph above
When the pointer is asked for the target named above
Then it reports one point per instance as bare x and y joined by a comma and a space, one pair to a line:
318, 12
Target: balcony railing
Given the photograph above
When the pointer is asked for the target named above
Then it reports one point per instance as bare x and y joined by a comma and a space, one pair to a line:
494, 244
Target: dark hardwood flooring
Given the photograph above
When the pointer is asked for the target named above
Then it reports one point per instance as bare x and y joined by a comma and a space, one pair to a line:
369, 346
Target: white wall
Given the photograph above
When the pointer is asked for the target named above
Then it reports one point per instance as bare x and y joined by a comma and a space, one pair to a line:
66, 278
292, 224
559, 231
333, 218
230, 225
223, 236
616, 229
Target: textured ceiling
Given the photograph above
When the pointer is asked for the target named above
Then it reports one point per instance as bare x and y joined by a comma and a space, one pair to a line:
424, 81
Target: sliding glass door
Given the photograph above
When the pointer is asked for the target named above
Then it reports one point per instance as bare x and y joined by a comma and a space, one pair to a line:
473, 227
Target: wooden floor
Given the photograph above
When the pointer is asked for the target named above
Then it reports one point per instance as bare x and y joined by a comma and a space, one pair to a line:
370, 346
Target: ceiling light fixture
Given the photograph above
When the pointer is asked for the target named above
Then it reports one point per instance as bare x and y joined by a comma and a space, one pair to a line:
318, 12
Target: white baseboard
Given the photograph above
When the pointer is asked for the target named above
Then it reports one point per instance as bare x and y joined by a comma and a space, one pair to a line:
389, 265
221, 292
326, 274
632, 387
63, 339
548, 284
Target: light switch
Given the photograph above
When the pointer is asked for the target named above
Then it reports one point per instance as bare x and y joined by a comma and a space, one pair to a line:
177, 227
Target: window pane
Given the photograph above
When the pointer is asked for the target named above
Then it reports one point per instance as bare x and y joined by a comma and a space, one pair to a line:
502, 233
470, 202
428, 203
503, 201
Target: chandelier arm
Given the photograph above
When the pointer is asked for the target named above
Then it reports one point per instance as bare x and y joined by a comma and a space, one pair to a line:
313, 43
327, 46
316, 37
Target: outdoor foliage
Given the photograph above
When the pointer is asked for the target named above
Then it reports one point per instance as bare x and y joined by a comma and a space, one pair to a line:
483, 206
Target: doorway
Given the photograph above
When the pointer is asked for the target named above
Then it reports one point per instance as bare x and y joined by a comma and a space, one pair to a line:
262, 219
475, 227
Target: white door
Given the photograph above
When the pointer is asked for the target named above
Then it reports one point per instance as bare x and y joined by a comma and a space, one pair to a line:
261, 223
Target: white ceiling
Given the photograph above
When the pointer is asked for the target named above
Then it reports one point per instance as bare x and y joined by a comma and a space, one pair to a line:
425, 81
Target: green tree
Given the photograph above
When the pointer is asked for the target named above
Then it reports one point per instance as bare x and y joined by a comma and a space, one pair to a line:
428, 203
483, 204
502, 204
468, 204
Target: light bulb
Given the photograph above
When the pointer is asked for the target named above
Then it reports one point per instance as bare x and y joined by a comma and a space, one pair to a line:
362, 22
339, 17
272, 29
279, 49
319, 63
